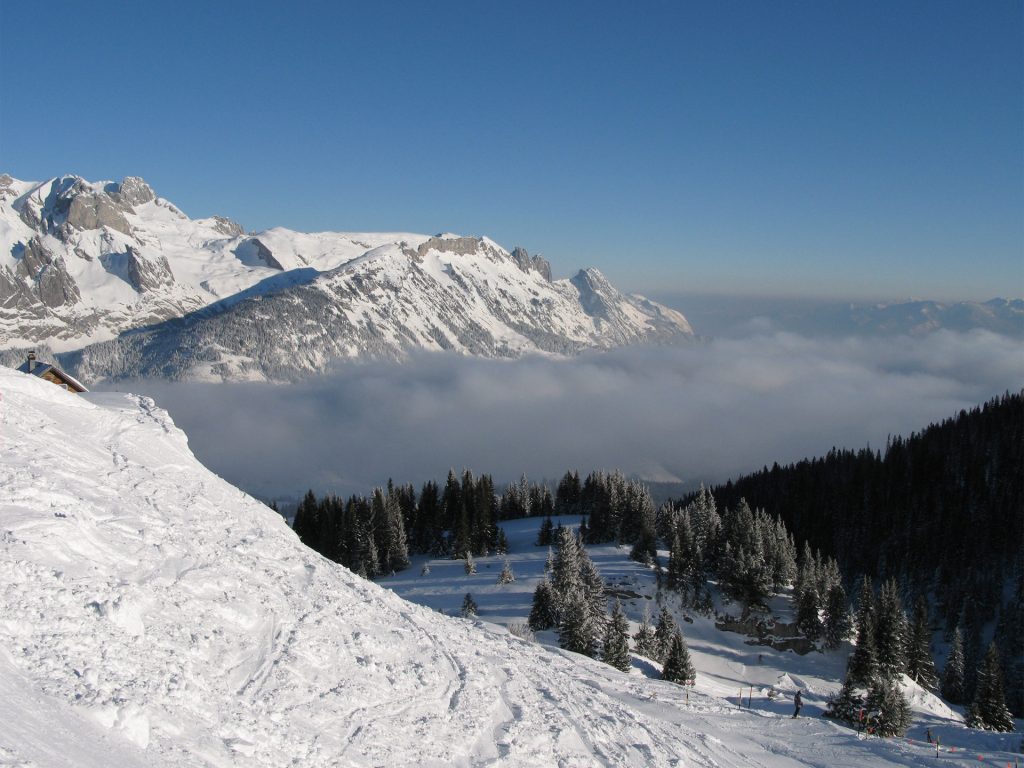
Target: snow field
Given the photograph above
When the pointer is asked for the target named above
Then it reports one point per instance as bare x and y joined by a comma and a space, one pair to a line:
151, 614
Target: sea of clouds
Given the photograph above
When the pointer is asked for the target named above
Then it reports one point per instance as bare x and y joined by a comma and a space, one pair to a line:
697, 413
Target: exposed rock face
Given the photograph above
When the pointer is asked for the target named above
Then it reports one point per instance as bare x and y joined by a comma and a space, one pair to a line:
526, 262
53, 284
94, 210
227, 227
459, 245
134, 191
146, 275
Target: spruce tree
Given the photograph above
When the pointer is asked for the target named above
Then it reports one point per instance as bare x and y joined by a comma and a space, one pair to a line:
544, 535
645, 642
989, 711
808, 619
862, 666
615, 650
846, 705
920, 664
663, 633
678, 668
593, 590
469, 608
469, 564
888, 707
576, 631
953, 673
891, 632
506, 576
837, 617
542, 613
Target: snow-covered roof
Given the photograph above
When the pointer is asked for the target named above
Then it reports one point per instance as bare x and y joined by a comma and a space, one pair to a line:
40, 369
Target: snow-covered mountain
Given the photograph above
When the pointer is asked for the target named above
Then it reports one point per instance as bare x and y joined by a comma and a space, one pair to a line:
153, 615
136, 288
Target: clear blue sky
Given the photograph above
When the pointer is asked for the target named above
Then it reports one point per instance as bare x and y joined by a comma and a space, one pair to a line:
808, 148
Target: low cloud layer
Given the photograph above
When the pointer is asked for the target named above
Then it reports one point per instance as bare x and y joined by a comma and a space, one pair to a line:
697, 413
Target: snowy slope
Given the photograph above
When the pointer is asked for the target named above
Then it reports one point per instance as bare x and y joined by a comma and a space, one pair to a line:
83, 263
158, 616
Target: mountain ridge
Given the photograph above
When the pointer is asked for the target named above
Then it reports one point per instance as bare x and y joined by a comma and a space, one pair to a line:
124, 284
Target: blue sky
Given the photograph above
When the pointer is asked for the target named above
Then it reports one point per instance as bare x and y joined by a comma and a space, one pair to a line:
854, 149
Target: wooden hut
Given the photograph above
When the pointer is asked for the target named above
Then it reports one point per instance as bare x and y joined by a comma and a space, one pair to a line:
51, 373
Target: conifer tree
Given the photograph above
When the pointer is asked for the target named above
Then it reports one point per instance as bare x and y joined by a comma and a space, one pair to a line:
593, 590
837, 617
920, 664
663, 632
544, 535
675, 574
953, 673
501, 545
506, 576
862, 666
808, 619
846, 705
542, 613
469, 564
888, 707
576, 630
615, 650
989, 711
469, 608
549, 564
678, 667
891, 632
645, 642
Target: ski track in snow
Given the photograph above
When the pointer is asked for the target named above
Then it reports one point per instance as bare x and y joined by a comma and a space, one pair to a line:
151, 614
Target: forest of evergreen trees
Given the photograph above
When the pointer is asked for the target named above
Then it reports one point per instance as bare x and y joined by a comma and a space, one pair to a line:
938, 518
940, 514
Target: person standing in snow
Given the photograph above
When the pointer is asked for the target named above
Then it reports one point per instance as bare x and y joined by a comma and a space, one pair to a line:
798, 700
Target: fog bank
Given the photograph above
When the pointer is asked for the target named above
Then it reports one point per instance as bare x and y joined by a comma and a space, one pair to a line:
696, 413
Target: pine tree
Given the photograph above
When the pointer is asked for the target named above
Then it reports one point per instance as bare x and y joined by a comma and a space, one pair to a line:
889, 710
576, 631
837, 617
397, 543
469, 564
953, 673
544, 535
989, 711
542, 613
663, 632
645, 642
846, 705
469, 608
501, 544
615, 650
891, 632
808, 619
593, 590
920, 664
678, 668
862, 666
566, 571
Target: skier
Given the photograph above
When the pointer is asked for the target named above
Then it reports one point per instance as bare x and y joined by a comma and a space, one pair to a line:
798, 700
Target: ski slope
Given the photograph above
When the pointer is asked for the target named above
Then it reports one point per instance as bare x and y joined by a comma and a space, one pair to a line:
153, 615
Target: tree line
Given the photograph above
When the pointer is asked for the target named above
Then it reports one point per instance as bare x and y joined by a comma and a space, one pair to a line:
940, 512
